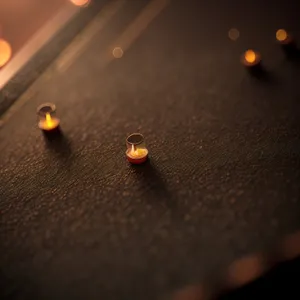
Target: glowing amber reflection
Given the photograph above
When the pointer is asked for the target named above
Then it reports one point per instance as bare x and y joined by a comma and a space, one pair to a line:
250, 56
137, 155
281, 35
5, 52
80, 2
137, 152
49, 123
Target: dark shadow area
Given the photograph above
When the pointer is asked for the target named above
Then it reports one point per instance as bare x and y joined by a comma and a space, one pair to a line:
151, 180
281, 282
58, 144
292, 52
260, 73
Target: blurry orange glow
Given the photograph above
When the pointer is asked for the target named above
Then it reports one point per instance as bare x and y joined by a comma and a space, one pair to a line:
250, 56
137, 153
246, 269
49, 123
233, 34
118, 52
281, 35
80, 2
5, 52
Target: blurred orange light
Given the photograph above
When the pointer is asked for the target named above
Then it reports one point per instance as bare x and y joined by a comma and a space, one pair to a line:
281, 35
5, 52
80, 2
250, 56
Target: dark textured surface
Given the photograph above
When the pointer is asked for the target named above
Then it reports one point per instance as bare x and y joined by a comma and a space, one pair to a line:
78, 222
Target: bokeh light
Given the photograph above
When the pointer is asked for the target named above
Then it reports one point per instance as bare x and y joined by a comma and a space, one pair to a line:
191, 292
5, 52
81, 2
233, 34
118, 52
250, 56
281, 35
245, 270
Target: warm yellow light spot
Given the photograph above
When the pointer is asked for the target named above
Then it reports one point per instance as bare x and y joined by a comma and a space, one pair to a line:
48, 117
5, 52
80, 2
134, 152
250, 56
118, 52
281, 35
233, 34
48, 120
137, 152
